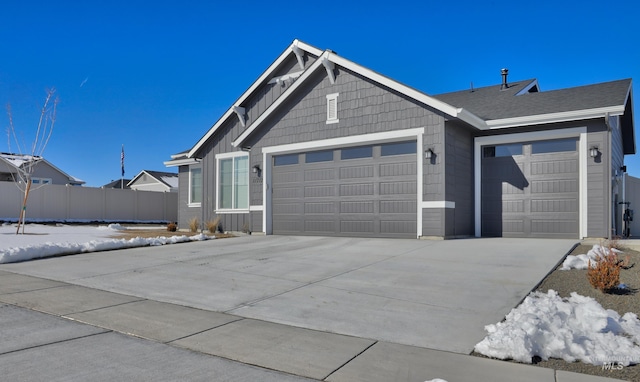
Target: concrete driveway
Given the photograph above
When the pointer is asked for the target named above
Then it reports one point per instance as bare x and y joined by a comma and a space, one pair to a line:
431, 294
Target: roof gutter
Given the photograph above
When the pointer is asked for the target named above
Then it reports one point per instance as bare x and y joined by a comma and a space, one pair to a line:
565, 116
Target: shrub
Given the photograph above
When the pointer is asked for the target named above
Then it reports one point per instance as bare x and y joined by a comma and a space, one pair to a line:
194, 224
212, 225
172, 227
605, 273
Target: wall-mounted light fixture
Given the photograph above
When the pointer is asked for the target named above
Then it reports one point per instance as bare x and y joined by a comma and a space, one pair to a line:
428, 154
593, 151
256, 169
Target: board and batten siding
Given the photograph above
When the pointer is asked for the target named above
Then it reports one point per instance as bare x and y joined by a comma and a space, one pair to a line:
459, 186
598, 185
185, 213
617, 161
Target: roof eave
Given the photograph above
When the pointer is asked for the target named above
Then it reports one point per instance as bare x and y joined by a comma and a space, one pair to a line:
566, 116
181, 162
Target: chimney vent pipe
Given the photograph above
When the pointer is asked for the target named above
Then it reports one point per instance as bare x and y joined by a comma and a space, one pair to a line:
505, 73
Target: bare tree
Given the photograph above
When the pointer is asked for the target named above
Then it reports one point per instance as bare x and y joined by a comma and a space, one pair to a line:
29, 159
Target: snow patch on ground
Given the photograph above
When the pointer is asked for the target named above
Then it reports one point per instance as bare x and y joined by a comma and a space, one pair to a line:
41, 241
582, 261
574, 329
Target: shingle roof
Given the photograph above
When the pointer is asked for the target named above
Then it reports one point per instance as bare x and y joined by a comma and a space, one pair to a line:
168, 178
491, 103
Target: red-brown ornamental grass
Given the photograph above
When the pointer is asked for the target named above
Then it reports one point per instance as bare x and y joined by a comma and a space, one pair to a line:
605, 273
172, 227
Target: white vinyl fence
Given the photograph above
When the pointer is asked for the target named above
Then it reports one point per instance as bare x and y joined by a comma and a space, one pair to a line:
72, 203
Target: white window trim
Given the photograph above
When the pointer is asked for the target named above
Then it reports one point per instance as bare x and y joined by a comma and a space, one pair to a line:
578, 132
332, 118
197, 204
220, 157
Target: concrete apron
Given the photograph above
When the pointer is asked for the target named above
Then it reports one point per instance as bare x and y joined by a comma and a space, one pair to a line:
431, 294
71, 350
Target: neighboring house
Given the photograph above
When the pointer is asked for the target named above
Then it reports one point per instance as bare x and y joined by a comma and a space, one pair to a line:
120, 183
158, 181
319, 145
44, 172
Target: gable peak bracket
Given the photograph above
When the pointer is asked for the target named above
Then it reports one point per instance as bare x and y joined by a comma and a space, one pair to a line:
329, 66
240, 112
299, 55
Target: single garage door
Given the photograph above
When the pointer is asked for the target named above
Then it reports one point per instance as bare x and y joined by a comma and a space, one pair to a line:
364, 191
531, 189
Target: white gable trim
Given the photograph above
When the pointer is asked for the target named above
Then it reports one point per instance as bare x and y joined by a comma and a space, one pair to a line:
267, 73
278, 102
579, 132
240, 112
330, 57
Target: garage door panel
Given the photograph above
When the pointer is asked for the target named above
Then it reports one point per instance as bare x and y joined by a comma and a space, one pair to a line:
554, 205
357, 226
512, 227
286, 225
286, 177
531, 195
554, 186
398, 169
323, 174
320, 226
319, 208
358, 189
397, 227
356, 172
553, 227
398, 206
374, 196
287, 193
357, 207
319, 191
287, 208
548, 168
398, 188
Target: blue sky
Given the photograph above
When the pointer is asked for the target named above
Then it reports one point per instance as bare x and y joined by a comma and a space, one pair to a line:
155, 76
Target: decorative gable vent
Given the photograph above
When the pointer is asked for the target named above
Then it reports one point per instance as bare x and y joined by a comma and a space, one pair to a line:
332, 108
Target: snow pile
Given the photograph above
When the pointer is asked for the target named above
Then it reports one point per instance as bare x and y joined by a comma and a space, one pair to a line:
582, 261
577, 328
47, 241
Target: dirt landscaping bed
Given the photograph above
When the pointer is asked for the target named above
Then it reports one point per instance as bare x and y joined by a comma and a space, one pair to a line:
131, 233
574, 280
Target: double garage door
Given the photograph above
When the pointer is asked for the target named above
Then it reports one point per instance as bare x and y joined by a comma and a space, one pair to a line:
366, 191
531, 189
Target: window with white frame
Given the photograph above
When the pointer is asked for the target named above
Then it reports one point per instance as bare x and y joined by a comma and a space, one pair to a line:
41, 180
233, 181
195, 186
332, 108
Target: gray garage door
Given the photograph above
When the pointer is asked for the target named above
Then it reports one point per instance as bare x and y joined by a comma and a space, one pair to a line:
366, 191
531, 189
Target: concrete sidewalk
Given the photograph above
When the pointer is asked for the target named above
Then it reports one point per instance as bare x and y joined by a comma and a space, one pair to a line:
52, 330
